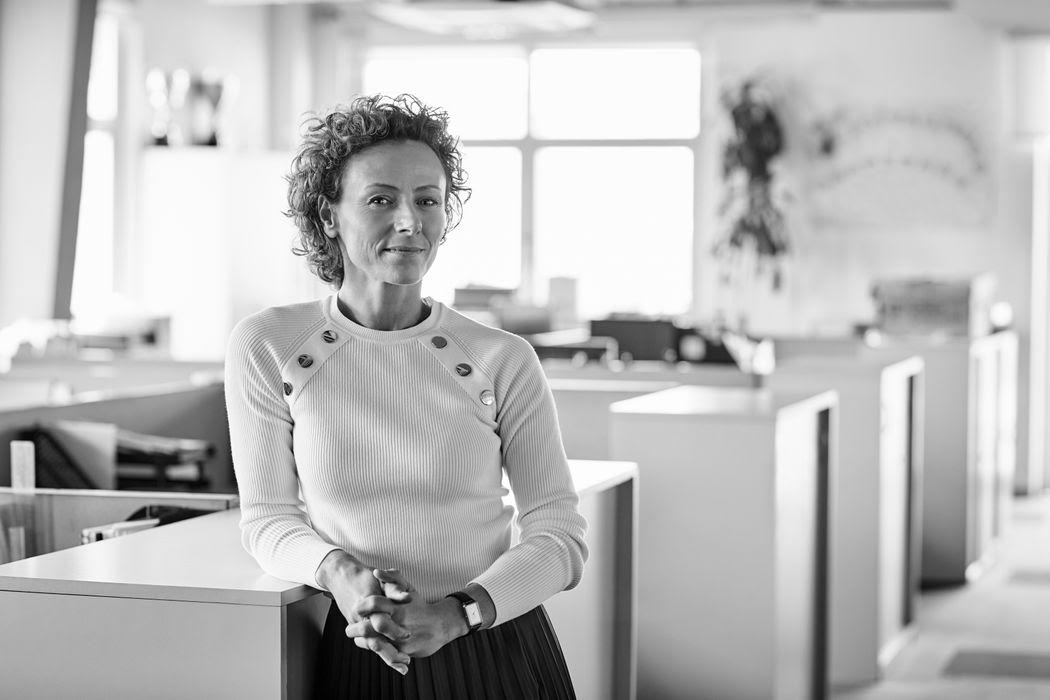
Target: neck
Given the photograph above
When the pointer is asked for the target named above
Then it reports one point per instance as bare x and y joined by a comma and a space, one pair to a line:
388, 307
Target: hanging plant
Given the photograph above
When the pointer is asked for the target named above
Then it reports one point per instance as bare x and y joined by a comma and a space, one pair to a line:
755, 223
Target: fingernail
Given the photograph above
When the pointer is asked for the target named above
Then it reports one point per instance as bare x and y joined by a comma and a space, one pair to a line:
403, 670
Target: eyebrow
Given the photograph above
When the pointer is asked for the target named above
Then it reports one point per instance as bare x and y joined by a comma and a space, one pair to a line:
391, 187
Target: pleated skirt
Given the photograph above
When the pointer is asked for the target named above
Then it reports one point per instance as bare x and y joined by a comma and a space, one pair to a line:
517, 660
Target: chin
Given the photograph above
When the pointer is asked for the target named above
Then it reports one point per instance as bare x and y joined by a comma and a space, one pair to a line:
407, 277
404, 280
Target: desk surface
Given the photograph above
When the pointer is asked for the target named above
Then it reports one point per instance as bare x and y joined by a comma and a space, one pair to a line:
200, 560
850, 345
611, 385
724, 402
845, 365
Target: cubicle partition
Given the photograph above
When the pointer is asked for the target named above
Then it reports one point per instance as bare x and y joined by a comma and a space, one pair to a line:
183, 409
41, 521
88, 373
583, 410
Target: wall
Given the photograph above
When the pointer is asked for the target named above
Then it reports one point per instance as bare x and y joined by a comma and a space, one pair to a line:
933, 65
36, 61
918, 64
226, 255
930, 62
209, 226
195, 34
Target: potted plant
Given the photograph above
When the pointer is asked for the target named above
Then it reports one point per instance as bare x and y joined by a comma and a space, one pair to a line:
755, 229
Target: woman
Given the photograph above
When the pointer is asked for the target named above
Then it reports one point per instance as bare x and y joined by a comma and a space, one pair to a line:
371, 431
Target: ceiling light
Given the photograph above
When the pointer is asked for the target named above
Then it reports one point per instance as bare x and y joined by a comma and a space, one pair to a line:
484, 19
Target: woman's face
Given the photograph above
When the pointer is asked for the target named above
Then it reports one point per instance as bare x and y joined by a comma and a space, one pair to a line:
391, 215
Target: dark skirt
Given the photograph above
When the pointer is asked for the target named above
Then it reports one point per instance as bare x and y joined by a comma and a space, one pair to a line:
519, 659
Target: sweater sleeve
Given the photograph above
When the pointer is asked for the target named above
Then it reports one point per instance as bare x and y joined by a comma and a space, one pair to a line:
551, 551
274, 527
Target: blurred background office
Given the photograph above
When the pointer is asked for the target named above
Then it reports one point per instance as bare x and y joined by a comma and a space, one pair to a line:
737, 173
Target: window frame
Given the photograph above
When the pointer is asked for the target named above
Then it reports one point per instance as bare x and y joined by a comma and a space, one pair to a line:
122, 129
529, 144
110, 126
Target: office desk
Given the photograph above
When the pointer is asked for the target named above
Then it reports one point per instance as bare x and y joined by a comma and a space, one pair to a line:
183, 611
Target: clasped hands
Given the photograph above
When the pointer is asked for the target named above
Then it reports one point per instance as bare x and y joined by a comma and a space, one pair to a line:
385, 617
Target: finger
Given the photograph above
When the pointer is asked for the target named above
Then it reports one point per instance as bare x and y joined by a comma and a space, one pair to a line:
399, 664
387, 651
360, 629
390, 655
388, 627
393, 576
378, 625
373, 604
395, 585
398, 595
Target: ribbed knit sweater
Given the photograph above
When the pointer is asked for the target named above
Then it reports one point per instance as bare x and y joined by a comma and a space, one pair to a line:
392, 446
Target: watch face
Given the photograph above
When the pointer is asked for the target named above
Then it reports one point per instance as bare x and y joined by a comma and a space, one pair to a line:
473, 611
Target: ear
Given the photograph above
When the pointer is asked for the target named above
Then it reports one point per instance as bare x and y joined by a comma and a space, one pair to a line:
326, 213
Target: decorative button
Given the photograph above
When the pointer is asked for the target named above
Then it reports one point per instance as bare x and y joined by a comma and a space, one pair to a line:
287, 389
487, 397
438, 342
305, 361
329, 336
463, 369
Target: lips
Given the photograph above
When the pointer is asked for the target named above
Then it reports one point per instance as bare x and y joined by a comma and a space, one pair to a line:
404, 250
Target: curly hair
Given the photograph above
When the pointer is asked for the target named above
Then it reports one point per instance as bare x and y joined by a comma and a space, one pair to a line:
328, 144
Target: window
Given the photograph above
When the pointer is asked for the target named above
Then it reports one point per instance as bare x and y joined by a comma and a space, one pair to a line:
638, 93
93, 267
484, 90
486, 247
624, 229
582, 164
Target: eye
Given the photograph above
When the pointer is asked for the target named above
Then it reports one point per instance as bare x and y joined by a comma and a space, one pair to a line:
428, 202
379, 200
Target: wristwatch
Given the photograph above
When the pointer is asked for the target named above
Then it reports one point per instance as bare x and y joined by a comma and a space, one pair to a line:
471, 610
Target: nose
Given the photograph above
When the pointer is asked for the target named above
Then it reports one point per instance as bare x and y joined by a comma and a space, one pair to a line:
408, 219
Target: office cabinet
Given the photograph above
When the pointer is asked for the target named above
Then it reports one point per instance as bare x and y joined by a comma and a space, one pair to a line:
970, 436
733, 538
971, 439
876, 539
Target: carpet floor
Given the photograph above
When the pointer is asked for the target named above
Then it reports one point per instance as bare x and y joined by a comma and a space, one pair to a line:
989, 639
